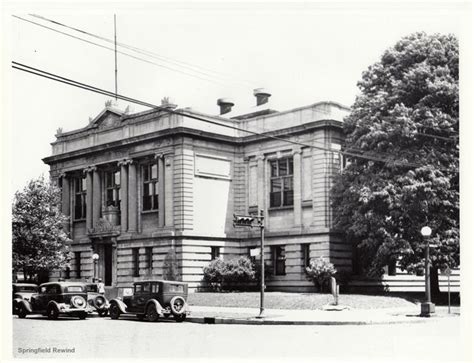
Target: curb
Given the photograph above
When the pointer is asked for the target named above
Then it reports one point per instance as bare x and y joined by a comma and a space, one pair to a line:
254, 321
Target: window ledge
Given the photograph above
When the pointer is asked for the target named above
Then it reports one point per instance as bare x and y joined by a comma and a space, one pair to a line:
285, 207
149, 211
79, 220
307, 203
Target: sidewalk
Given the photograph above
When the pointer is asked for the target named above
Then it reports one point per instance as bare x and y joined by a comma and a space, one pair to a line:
227, 315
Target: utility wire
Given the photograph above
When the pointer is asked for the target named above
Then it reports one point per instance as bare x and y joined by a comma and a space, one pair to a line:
54, 77
120, 52
193, 67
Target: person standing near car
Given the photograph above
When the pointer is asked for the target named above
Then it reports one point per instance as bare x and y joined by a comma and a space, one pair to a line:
100, 287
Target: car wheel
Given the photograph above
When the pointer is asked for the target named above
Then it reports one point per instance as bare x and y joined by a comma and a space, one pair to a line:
167, 315
140, 317
177, 305
114, 312
52, 312
151, 313
82, 316
21, 312
180, 318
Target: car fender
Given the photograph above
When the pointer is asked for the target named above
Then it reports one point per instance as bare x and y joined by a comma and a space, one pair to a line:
158, 306
24, 303
53, 303
121, 305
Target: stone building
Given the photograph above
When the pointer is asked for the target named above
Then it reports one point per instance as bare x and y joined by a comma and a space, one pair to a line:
141, 187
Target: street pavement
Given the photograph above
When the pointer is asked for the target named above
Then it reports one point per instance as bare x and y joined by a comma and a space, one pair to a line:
434, 340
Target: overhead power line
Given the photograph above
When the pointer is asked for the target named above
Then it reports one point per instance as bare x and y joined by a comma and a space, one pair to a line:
190, 66
68, 81
120, 52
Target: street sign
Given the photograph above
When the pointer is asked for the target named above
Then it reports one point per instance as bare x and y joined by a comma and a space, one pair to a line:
255, 252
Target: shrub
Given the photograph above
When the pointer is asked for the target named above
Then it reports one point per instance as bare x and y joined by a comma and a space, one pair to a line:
221, 274
170, 267
213, 274
320, 271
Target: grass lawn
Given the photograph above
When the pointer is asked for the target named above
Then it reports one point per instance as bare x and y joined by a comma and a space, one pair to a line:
283, 300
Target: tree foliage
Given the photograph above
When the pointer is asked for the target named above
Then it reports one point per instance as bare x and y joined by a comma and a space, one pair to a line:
407, 117
39, 242
170, 266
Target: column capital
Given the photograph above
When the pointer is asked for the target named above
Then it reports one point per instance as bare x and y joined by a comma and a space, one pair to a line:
124, 162
89, 169
159, 156
261, 157
297, 150
62, 175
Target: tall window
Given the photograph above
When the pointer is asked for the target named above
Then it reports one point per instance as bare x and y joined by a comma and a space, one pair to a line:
215, 252
112, 188
149, 257
77, 259
80, 193
135, 261
305, 254
281, 183
279, 260
150, 187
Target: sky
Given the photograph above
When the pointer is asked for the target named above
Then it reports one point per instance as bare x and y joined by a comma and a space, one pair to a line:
302, 52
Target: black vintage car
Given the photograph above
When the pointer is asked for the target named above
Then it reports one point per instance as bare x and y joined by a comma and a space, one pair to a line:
22, 291
54, 299
97, 301
152, 299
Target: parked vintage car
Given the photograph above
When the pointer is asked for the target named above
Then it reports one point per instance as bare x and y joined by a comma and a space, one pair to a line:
152, 299
97, 301
22, 291
56, 298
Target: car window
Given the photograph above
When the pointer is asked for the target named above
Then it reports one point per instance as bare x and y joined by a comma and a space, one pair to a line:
74, 289
155, 288
51, 289
92, 288
175, 288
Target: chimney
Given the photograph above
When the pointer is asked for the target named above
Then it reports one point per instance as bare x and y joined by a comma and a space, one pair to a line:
262, 95
225, 105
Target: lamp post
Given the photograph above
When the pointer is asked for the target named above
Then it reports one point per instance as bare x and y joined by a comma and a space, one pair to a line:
95, 258
427, 307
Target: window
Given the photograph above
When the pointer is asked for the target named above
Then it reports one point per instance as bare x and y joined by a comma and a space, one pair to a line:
149, 257
135, 262
150, 187
281, 182
112, 188
77, 258
80, 192
279, 260
305, 254
155, 288
215, 252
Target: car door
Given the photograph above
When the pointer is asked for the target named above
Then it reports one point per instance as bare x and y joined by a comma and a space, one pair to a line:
140, 297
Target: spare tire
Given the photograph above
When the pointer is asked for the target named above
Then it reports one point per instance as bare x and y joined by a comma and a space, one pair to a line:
177, 305
99, 302
78, 302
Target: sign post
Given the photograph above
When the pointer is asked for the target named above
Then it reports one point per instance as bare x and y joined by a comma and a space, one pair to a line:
447, 272
248, 221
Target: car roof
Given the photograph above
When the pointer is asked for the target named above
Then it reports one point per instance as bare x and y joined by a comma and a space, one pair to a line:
24, 285
64, 283
162, 281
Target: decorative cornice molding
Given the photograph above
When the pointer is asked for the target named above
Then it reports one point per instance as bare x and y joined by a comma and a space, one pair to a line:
124, 162
159, 156
90, 169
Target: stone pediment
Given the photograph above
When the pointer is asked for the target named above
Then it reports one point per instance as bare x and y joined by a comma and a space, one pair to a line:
106, 119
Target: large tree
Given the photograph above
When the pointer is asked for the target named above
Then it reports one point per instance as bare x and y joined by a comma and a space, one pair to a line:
404, 125
39, 242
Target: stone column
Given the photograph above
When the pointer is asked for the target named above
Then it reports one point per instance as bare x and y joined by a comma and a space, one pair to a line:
132, 197
297, 186
161, 189
96, 196
88, 172
123, 195
65, 200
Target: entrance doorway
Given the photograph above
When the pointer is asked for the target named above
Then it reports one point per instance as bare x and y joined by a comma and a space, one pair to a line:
107, 265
